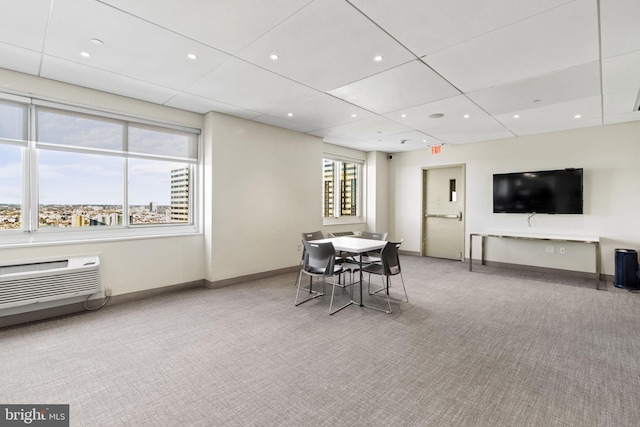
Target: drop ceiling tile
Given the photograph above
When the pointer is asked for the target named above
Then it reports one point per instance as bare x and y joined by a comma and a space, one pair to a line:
321, 111
326, 45
405, 141
371, 128
132, 47
358, 145
404, 86
24, 25
453, 127
333, 138
555, 117
228, 25
621, 72
249, 87
427, 27
82, 75
560, 38
197, 104
283, 123
582, 81
19, 59
620, 107
619, 27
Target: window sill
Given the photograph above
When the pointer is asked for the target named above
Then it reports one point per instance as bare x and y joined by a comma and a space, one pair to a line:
57, 238
342, 221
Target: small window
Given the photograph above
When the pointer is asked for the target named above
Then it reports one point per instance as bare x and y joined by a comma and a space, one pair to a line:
342, 189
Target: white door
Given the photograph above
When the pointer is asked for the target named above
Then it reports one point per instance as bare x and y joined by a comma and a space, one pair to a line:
443, 212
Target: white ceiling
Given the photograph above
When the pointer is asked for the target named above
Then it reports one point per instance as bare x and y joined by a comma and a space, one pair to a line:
480, 63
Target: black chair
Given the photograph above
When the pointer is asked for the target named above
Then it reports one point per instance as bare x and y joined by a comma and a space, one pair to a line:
313, 235
373, 256
373, 236
390, 266
319, 261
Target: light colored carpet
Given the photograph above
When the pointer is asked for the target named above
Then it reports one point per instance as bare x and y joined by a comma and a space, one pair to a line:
491, 347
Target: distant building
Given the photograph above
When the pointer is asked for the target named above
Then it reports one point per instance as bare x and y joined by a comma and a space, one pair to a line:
180, 195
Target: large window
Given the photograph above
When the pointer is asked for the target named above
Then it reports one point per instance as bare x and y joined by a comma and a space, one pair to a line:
13, 140
342, 190
78, 171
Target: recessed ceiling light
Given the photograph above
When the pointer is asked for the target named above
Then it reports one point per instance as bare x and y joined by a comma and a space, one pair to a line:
378, 58
192, 56
354, 115
97, 42
577, 116
424, 140
535, 101
516, 116
85, 54
402, 141
290, 114
466, 116
436, 116
274, 56
403, 115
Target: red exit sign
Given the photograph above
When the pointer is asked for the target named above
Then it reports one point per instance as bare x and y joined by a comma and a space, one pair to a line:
436, 149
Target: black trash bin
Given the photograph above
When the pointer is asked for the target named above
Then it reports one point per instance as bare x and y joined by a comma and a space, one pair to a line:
626, 269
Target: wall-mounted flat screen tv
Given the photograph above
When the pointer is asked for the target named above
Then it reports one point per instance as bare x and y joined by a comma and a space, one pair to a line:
550, 192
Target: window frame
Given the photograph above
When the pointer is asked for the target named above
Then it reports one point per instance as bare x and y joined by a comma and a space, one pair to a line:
337, 217
31, 233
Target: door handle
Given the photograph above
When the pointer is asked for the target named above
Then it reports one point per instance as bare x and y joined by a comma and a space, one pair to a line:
457, 216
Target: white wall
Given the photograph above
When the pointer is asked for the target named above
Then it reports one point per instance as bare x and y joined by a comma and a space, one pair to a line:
378, 191
610, 158
264, 185
126, 265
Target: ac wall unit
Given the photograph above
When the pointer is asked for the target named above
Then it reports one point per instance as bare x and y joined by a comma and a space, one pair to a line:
30, 282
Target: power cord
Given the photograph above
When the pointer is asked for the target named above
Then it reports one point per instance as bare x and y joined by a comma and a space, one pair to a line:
529, 218
106, 300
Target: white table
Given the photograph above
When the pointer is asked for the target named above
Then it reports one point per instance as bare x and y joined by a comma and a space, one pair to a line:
590, 240
355, 245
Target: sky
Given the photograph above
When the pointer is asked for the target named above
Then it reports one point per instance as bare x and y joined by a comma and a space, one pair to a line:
66, 177
78, 178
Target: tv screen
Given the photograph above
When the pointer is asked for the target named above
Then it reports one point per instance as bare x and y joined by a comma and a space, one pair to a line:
550, 192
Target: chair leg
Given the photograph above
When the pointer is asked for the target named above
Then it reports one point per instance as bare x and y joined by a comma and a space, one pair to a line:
333, 291
386, 287
314, 294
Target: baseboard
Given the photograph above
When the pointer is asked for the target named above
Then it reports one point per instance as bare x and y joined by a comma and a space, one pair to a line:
256, 276
79, 307
410, 253
571, 273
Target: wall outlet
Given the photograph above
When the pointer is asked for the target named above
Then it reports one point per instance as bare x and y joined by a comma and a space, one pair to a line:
299, 247
562, 251
107, 292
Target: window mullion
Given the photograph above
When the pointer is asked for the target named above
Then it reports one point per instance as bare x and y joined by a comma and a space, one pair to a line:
30, 185
337, 190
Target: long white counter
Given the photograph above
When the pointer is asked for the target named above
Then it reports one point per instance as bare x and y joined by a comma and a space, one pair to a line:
591, 240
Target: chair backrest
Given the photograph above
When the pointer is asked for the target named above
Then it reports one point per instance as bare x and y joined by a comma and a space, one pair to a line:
391, 259
314, 235
342, 234
373, 236
319, 258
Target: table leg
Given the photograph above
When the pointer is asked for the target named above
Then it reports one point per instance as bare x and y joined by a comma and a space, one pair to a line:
360, 265
470, 251
597, 250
